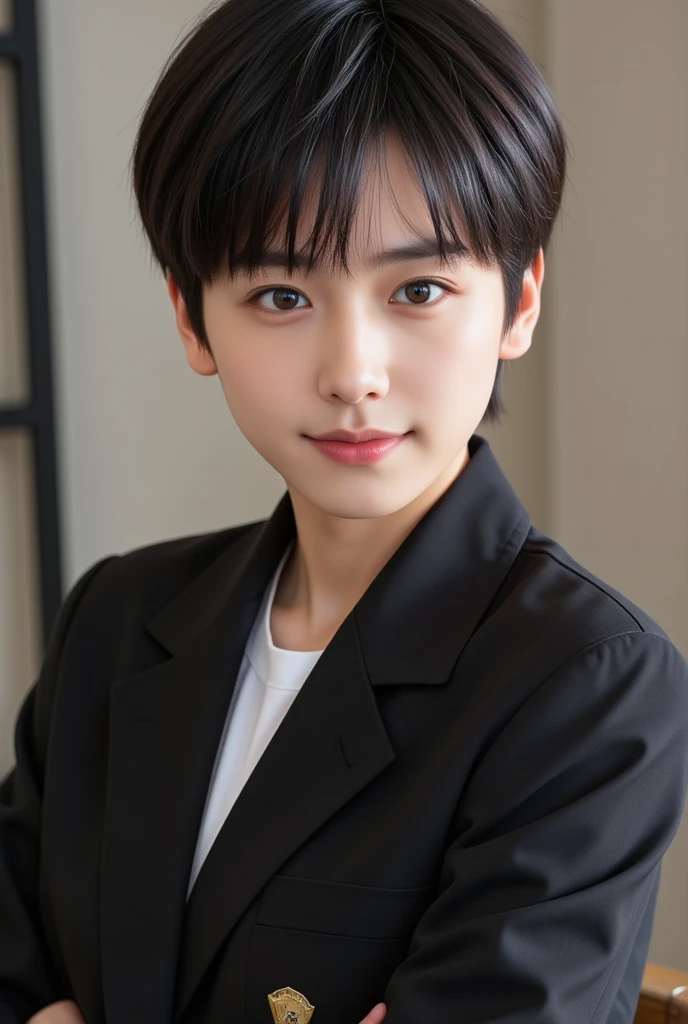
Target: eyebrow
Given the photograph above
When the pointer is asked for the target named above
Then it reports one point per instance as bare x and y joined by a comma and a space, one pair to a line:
423, 248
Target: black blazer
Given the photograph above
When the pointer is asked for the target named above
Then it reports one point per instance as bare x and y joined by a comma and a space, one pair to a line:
462, 814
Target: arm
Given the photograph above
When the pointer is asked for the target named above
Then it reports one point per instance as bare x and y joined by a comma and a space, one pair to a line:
28, 980
555, 846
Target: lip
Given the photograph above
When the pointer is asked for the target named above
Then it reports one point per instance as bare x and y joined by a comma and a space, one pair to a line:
358, 453
354, 436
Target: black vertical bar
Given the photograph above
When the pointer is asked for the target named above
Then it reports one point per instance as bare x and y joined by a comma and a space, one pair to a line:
47, 521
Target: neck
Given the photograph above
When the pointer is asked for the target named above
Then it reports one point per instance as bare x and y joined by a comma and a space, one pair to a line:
334, 560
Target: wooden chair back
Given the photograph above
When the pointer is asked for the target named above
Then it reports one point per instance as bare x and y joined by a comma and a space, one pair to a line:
663, 997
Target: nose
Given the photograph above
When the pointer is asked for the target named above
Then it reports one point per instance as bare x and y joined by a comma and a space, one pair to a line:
354, 359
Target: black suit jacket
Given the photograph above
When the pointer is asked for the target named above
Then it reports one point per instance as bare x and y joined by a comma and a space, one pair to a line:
462, 814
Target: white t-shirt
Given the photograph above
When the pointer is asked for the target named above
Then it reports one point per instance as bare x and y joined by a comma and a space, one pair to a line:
269, 679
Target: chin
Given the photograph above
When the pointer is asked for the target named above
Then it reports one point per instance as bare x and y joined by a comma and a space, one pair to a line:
358, 501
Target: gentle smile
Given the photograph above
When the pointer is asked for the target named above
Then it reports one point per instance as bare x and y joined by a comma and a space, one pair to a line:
358, 453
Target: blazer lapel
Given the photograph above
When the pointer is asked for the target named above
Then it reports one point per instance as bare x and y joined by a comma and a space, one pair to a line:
331, 744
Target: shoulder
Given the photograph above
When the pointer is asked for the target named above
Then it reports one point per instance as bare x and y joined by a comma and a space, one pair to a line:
100, 634
555, 566
551, 588
122, 590
552, 612
177, 561
571, 659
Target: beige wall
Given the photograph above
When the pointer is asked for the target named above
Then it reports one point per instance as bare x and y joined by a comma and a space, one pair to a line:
602, 424
521, 440
619, 423
596, 441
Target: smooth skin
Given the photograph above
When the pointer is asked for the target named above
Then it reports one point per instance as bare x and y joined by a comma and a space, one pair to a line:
321, 352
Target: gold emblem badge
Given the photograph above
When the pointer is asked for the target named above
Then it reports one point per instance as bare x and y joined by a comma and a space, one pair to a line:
290, 1007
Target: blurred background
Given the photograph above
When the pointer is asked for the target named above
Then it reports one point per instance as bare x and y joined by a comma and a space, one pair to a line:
109, 441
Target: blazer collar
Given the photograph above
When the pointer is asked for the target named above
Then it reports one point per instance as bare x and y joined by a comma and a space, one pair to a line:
166, 722
420, 610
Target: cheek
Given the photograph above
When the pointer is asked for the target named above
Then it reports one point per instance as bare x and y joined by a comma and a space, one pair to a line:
460, 362
451, 377
258, 391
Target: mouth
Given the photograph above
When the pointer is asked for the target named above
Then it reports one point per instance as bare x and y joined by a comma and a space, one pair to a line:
356, 437
358, 453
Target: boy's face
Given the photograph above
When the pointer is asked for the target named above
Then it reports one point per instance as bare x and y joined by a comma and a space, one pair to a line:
319, 352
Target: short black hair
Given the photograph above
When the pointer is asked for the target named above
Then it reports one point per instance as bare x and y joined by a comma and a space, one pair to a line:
260, 93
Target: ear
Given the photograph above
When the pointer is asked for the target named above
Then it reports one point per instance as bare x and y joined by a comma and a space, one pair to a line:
518, 339
197, 357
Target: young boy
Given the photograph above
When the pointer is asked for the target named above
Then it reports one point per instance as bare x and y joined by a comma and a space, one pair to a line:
390, 753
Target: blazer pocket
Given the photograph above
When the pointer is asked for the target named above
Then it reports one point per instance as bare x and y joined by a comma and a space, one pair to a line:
335, 942
342, 908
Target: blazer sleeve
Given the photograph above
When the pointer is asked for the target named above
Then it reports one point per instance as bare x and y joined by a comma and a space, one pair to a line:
551, 857
28, 979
